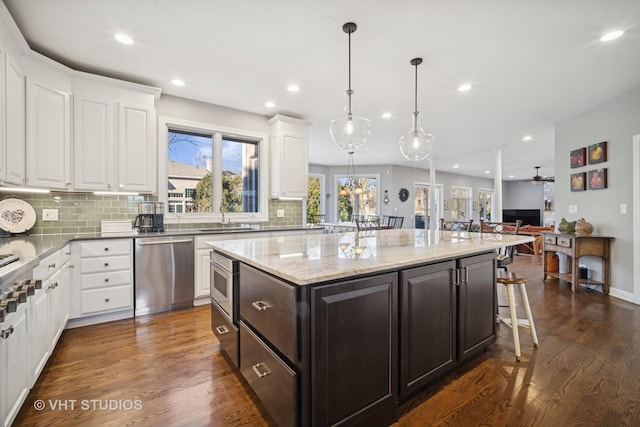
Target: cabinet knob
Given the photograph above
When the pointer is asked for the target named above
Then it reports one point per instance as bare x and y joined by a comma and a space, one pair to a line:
106, 249
106, 264
106, 300
106, 279
260, 305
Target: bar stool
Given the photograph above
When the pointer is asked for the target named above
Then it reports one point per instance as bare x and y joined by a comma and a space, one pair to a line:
508, 279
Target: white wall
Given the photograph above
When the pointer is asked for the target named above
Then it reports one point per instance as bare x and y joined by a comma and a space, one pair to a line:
615, 121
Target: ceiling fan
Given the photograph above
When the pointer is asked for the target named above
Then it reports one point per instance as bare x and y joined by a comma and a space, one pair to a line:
537, 179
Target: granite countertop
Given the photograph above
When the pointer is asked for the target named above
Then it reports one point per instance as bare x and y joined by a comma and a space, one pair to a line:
316, 258
31, 248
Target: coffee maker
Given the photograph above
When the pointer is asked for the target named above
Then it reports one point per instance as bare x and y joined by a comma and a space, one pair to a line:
150, 217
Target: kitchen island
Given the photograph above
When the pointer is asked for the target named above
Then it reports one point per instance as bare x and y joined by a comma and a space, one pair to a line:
341, 328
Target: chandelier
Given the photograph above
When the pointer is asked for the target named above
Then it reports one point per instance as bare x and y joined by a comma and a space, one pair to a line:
350, 131
416, 144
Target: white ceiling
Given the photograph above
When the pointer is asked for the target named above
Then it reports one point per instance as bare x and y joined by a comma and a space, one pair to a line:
532, 63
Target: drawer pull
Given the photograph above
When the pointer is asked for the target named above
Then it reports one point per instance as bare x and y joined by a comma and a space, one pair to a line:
52, 265
106, 264
221, 330
106, 279
256, 369
260, 305
106, 249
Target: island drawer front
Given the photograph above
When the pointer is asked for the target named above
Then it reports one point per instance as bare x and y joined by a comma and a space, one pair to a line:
271, 379
268, 305
551, 240
564, 242
226, 332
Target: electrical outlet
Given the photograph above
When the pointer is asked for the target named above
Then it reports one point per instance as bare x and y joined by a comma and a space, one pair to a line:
623, 208
49, 214
280, 213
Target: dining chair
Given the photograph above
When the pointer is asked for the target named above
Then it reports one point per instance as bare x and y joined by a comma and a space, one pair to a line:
363, 225
505, 257
395, 222
455, 225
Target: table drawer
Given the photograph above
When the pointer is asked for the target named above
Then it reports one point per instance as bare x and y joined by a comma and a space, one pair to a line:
565, 242
269, 377
105, 247
226, 332
550, 240
268, 304
112, 263
110, 278
107, 299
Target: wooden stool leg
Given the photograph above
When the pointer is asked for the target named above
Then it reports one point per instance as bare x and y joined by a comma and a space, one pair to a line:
527, 309
514, 320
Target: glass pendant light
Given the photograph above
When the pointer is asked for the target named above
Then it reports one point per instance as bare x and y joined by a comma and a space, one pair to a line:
416, 144
350, 131
352, 184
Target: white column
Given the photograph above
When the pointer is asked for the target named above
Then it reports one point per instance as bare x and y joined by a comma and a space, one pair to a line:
433, 223
496, 216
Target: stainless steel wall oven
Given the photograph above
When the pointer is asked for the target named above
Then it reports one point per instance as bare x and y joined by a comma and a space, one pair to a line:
224, 304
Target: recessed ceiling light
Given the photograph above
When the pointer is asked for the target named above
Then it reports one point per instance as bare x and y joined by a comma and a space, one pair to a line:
270, 104
293, 88
512, 176
456, 166
487, 171
386, 115
124, 39
177, 82
465, 87
527, 138
611, 35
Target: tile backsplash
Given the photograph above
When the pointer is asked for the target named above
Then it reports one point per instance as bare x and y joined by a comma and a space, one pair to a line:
83, 212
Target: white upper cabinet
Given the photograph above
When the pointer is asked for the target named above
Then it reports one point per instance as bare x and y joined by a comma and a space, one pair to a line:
92, 143
289, 157
12, 122
137, 162
48, 136
113, 136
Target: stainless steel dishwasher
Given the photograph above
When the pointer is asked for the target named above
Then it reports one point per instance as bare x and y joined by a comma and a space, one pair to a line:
164, 269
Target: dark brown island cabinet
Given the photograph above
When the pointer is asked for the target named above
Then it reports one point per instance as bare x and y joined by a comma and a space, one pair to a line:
347, 352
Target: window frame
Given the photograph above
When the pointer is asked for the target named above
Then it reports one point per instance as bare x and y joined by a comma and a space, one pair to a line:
323, 197
217, 131
336, 177
439, 199
493, 202
469, 200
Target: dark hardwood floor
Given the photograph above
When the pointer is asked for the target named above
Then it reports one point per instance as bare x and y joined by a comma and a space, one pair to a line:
585, 371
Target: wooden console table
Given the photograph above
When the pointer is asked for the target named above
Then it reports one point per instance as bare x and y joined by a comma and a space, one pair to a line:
575, 247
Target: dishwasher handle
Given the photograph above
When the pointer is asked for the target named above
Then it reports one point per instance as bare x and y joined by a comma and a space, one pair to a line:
164, 242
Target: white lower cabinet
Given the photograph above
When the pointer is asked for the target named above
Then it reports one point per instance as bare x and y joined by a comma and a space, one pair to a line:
102, 283
14, 366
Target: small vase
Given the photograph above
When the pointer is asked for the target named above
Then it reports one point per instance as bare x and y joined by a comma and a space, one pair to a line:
583, 228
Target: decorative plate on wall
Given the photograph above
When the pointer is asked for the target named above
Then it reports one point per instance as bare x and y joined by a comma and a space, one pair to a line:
16, 216
403, 194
